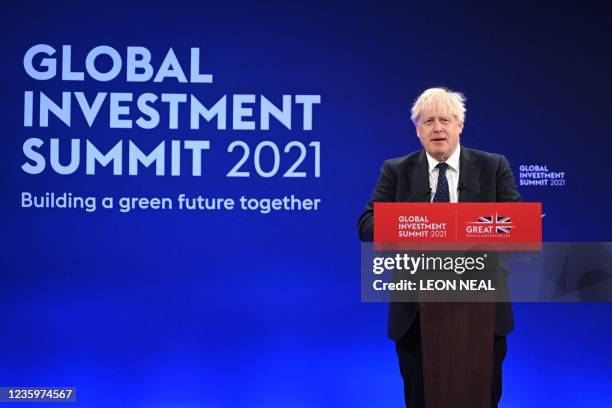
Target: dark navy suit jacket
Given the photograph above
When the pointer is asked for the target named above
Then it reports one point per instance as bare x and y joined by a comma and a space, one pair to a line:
483, 177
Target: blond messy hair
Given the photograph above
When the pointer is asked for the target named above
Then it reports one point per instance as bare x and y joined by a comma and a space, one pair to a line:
440, 100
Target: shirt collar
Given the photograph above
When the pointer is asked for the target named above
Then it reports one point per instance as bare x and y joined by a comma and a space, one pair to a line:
453, 160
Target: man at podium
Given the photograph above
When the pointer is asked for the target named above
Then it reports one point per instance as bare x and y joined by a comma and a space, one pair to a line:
443, 171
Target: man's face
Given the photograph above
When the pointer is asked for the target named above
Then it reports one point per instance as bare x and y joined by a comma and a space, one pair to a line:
439, 134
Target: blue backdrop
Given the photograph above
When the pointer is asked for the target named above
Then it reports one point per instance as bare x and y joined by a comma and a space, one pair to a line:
237, 308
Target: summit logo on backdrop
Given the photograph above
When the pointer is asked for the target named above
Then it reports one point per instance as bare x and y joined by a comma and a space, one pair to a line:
539, 175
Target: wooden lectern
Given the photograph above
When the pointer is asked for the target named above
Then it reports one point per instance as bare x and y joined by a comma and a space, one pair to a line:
456, 336
457, 347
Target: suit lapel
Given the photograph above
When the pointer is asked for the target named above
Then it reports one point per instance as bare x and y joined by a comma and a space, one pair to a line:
418, 176
469, 176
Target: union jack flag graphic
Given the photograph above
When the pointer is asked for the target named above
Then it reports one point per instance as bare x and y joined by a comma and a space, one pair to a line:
502, 224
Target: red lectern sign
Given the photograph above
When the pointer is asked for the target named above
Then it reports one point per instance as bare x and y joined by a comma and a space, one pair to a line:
498, 226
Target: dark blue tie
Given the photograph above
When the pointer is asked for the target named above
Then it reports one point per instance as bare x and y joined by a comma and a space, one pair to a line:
442, 193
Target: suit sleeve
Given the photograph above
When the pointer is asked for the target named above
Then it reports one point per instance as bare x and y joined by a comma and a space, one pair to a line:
383, 192
506, 192
506, 186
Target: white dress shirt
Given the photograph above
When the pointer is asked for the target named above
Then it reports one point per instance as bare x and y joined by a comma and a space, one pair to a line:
452, 174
